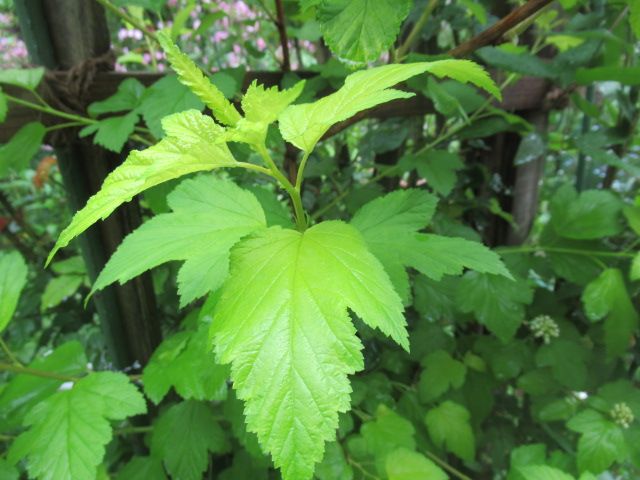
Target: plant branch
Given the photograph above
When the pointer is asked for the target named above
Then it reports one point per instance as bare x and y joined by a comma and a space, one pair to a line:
296, 199
284, 41
50, 111
498, 29
572, 251
7, 367
9, 353
453, 471
256, 168
127, 18
268, 12
300, 174
132, 430
415, 31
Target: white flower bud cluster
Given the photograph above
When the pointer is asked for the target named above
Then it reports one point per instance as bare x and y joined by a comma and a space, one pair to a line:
622, 415
545, 327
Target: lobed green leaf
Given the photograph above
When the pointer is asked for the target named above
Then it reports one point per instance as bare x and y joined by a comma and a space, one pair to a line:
282, 323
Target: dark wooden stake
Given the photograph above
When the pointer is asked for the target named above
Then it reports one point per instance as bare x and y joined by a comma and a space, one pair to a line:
62, 34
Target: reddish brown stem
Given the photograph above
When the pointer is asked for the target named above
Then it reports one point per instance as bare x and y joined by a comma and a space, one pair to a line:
284, 41
498, 29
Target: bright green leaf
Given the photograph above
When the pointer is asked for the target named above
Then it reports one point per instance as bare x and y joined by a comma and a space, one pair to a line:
607, 296
390, 224
358, 31
435, 256
68, 431
58, 289
440, 373
142, 468
166, 97
588, 215
184, 435
209, 216
465, 71
404, 464
127, 97
113, 132
601, 441
304, 125
18, 152
28, 78
497, 302
265, 105
282, 323
191, 76
449, 428
261, 106
542, 472
24, 391
13, 276
191, 146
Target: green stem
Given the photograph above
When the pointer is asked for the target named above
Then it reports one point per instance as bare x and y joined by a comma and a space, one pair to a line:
362, 469
6, 438
133, 430
453, 471
7, 367
415, 31
51, 111
256, 168
296, 199
300, 175
9, 353
537, 248
60, 126
141, 139
127, 18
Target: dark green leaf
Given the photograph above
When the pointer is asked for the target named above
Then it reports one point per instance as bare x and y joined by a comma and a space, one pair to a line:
18, 152
183, 437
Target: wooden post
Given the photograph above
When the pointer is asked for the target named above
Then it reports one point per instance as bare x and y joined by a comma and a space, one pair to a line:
61, 34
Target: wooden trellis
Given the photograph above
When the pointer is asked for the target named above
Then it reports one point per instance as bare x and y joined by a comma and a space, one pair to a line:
71, 39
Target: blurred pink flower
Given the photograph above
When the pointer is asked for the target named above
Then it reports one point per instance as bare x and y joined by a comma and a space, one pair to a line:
219, 36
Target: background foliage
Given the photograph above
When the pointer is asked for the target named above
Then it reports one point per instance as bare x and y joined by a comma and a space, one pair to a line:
521, 370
